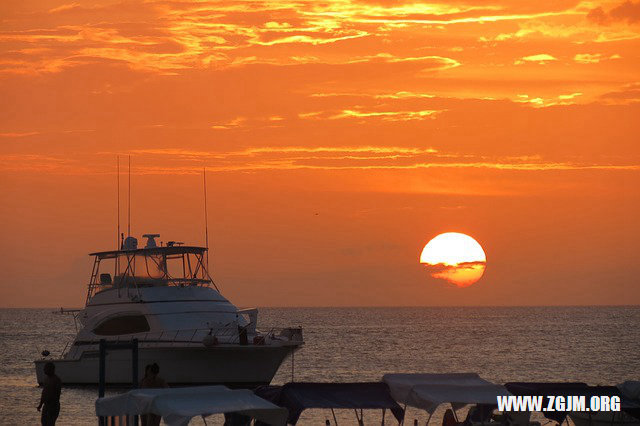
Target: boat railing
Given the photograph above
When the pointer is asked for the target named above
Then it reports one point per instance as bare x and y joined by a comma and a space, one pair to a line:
64, 350
227, 334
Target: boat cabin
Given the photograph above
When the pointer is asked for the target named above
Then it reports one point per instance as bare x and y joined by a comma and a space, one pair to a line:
132, 268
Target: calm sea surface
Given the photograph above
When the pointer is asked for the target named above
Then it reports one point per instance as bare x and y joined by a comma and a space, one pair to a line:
597, 345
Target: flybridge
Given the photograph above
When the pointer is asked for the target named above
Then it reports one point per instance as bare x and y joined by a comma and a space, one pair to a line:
132, 268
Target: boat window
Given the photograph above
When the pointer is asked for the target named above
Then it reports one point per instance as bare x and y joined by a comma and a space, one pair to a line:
150, 267
126, 324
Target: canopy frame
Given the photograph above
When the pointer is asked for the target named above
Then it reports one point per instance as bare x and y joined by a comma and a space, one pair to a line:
191, 260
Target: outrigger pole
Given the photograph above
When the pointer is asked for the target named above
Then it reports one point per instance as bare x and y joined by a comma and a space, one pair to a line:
206, 225
206, 216
118, 240
118, 202
129, 202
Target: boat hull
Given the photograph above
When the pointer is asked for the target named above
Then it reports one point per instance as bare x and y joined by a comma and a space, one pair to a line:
231, 365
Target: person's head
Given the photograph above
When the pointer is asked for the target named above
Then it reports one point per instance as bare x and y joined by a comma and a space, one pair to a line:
147, 369
155, 368
49, 369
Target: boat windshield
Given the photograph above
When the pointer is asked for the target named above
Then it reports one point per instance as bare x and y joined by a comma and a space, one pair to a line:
161, 266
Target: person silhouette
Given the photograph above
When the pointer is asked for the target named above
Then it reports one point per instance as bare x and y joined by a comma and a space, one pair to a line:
152, 380
147, 372
49, 405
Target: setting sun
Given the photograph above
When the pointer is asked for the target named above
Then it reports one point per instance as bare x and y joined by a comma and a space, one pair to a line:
454, 257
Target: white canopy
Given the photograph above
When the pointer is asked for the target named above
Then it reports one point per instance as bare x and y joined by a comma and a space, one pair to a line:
178, 405
427, 391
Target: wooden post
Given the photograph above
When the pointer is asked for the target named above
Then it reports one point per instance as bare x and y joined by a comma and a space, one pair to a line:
134, 363
101, 375
102, 372
134, 370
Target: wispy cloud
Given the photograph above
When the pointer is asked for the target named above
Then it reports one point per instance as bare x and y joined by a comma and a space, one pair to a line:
627, 11
628, 94
177, 36
593, 58
541, 58
541, 102
357, 158
180, 161
18, 134
462, 274
386, 115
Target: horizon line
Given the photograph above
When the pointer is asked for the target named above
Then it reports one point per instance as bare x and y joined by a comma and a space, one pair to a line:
383, 306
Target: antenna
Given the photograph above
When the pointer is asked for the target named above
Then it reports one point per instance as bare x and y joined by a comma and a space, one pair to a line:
206, 217
118, 203
116, 271
129, 202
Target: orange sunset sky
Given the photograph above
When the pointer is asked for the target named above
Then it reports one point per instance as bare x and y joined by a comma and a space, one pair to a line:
339, 138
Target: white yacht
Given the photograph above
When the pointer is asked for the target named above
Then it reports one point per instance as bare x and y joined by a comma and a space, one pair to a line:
164, 297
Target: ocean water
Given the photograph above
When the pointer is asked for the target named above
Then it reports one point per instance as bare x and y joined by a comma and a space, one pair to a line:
597, 345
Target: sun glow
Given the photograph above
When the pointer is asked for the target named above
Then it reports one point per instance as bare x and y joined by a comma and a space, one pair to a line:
454, 257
